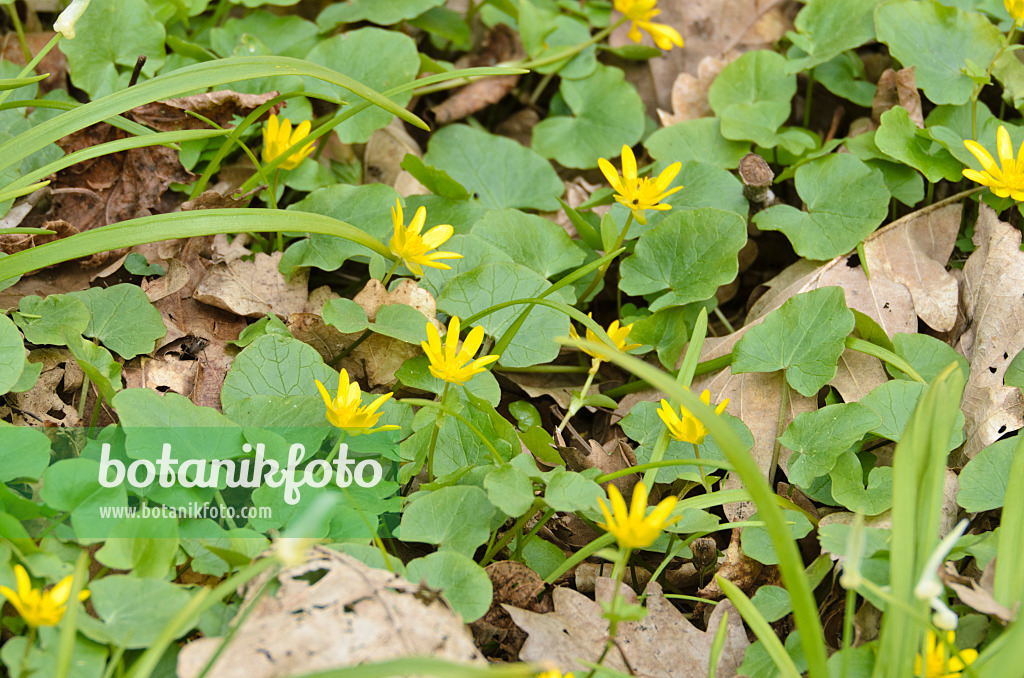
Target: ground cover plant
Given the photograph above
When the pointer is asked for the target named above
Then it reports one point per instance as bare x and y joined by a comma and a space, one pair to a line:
511, 338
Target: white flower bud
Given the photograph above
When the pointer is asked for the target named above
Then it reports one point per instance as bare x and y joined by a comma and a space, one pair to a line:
65, 24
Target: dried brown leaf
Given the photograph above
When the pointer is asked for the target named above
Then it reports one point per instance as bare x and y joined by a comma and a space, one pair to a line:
253, 288
898, 88
352, 614
992, 297
220, 107
385, 151
501, 44
655, 647
915, 253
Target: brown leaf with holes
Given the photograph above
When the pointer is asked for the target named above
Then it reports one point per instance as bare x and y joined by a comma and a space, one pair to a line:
992, 297
50, 402
501, 44
914, 253
254, 288
655, 647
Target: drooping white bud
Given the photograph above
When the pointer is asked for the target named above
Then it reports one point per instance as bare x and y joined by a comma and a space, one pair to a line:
65, 24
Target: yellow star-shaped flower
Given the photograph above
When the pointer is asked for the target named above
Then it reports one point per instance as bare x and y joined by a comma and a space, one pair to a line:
938, 663
278, 137
412, 248
632, 528
640, 12
347, 412
687, 427
1007, 181
450, 362
618, 334
38, 607
639, 194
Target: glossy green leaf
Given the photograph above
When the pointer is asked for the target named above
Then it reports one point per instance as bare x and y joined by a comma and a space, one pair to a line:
805, 336
894, 401
122, 318
101, 59
821, 436
900, 138
607, 114
843, 75
699, 140
123, 622
276, 366
437, 181
530, 240
461, 581
983, 480
937, 40
374, 11
12, 354
849, 489
927, 355
454, 518
491, 284
24, 452
357, 53
690, 253
825, 28
757, 545
509, 489
752, 97
570, 491
499, 171
846, 200
96, 362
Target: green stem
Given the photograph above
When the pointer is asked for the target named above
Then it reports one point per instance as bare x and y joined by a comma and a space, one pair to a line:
576, 404
511, 534
604, 269
705, 367
391, 272
885, 355
808, 95
223, 645
613, 614
848, 612
12, 11
988, 72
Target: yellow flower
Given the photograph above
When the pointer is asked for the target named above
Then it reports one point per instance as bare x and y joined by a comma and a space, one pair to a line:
938, 663
278, 137
347, 411
36, 607
1016, 10
688, 428
451, 363
632, 528
640, 12
408, 245
1007, 181
618, 334
639, 194
293, 551
553, 674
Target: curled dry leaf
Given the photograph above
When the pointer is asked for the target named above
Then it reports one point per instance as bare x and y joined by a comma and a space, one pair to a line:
737, 568
898, 88
655, 647
253, 288
977, 594
517, 585
914, 253
689, 95
352, 614
992, 297
42, 404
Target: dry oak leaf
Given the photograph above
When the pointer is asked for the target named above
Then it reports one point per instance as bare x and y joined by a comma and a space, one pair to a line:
42, 404
253, 288
914, 253
221, 107
690, 94
662, 645
385, 150
515, 584
352, 614
992, 297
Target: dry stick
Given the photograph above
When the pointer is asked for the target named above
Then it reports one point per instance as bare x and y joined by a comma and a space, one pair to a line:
757, 179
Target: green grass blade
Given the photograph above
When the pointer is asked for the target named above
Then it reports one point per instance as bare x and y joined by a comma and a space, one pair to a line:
1009, 584
805, 609
761, 628
182, 225
106, 149
181, 81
